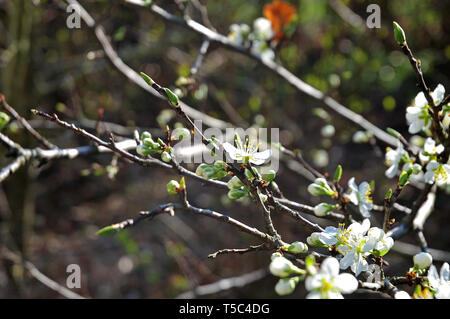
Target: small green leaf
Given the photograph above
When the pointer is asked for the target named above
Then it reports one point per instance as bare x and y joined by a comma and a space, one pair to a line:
393, 132
173, 98
108, 230
388, 194
4, 119
404, 177
399, 34
182, 183
147, 79
338, 174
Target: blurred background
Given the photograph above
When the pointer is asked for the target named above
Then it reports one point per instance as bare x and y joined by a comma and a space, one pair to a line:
52, 212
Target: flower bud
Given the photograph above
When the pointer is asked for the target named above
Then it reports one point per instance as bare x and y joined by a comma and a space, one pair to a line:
286, 286
165, 156
281, 267
235, 183
236, 193
145, 135
142, 150
269, 176
220, 165
297, 247
399, 34
313, 240
173, 187
322, 209
275, 255
422, 260
320, 187
180, 133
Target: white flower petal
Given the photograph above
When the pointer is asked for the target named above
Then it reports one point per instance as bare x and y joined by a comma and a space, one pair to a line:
313, 282
231, 150
445, 272
314, 295
438, 93
330, 266
346, 283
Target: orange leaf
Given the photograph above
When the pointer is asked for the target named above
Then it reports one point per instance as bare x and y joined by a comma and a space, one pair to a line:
280, 14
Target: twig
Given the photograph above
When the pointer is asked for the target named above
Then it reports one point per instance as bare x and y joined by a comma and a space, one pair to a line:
239, 251
44, 142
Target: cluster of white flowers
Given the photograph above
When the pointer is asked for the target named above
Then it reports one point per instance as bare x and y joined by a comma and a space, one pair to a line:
417, 115
257, 40
419, 120
354, 244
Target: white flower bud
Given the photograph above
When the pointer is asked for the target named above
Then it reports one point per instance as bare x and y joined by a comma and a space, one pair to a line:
286, 286
263, 28
315, 190
298, 247
275, 255
142, 150
281, 267
165, 156
322, 209
423, 260
360, 137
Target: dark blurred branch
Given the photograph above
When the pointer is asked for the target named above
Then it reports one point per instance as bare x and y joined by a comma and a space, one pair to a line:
347, 14
15, 258
224, 284
44, 142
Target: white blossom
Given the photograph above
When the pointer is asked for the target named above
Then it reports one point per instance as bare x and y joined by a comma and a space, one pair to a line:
354, 244
247, 153
393, 158
262, 29
430, 149
437, 172
238, 33
440, 283
328, 283
360, 196
261, 49
417, 115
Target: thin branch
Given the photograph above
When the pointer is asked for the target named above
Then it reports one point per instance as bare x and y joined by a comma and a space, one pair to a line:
225, 284
43, 141
239, 251
9, 255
